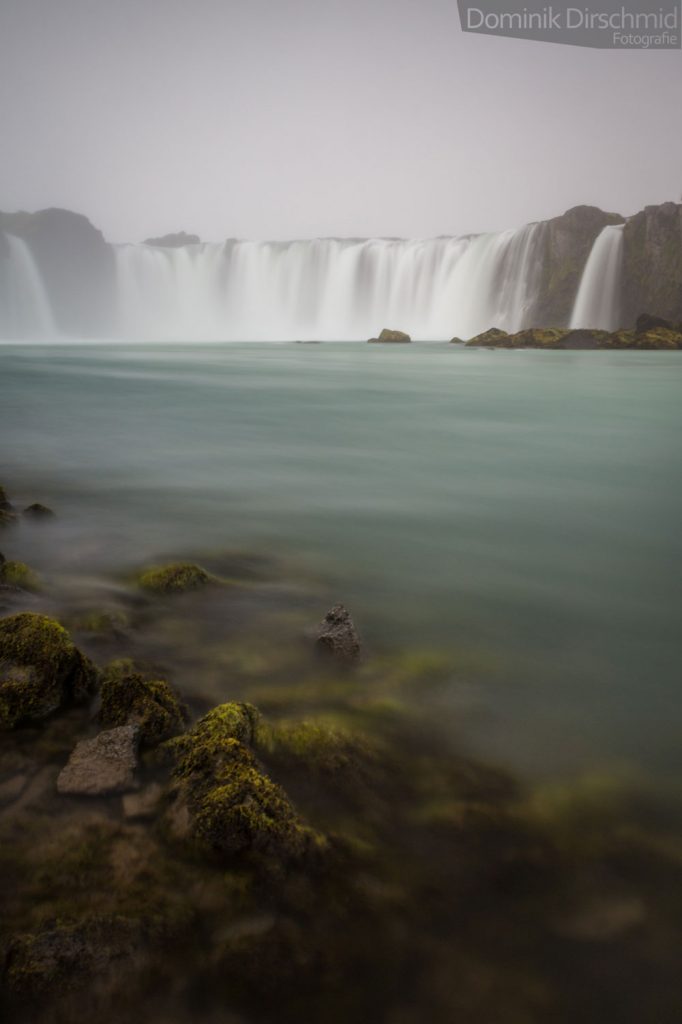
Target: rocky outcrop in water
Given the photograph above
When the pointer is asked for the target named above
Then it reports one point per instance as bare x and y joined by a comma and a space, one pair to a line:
337, 636
554, 338
391, 337
41, 669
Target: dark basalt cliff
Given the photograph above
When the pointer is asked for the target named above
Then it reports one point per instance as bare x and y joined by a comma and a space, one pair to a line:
652, 263
565, 248
76, 263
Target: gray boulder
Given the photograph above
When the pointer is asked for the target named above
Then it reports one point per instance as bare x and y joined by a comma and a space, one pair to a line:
103, 765
337, 636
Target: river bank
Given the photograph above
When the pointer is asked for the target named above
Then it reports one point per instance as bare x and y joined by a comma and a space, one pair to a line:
311, 845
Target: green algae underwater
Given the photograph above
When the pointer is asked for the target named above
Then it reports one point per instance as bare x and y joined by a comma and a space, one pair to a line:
308, 837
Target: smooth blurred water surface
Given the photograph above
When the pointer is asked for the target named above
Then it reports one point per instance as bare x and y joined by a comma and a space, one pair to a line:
520, 509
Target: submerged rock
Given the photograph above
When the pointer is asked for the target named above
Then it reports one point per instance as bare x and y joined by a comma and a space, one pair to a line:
16, 574
67, 955
391, 337
38, 511
174, 579
337, 635
103, 765
41, 669
130, 697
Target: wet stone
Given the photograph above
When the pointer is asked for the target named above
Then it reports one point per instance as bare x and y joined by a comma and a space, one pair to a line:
103, 765
337, 635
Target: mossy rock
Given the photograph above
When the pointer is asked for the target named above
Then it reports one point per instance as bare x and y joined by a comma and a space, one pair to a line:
129, 697
38, 511
389, 337
41, 669
201, 751
538, 337
224, 802
68, 955
176, 578
5, 503
16, 574
494, 337
658, 338
250, 812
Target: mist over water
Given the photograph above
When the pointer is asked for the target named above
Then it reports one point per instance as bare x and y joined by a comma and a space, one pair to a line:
519, 510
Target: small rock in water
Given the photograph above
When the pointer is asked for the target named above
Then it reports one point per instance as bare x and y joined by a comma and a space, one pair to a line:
38, 511
337, 635
388, 336
105, 764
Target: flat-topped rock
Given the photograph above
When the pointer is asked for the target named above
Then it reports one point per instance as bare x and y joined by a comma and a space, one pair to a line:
103, 765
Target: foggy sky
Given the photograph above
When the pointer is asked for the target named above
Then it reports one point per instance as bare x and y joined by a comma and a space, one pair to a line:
298, 118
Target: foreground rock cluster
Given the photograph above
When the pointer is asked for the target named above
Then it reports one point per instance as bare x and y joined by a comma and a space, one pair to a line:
650, 333
321, 851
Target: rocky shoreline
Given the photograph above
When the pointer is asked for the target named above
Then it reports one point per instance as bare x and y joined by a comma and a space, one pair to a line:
321, 851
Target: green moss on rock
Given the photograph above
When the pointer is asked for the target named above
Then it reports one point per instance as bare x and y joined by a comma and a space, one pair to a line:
223, 800
202, 750
41, 669
494, 337
128, 697
176, 578
17, 574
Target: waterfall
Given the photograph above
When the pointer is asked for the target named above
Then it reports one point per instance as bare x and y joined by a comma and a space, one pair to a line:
25, 310
321, 289
327, 289
598, 302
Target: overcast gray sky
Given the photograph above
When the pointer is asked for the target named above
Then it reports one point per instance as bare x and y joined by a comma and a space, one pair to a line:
296, 118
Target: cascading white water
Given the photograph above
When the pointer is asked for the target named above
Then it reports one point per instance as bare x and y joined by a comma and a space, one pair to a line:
597, 304
328, 289
323, 289
25, 310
